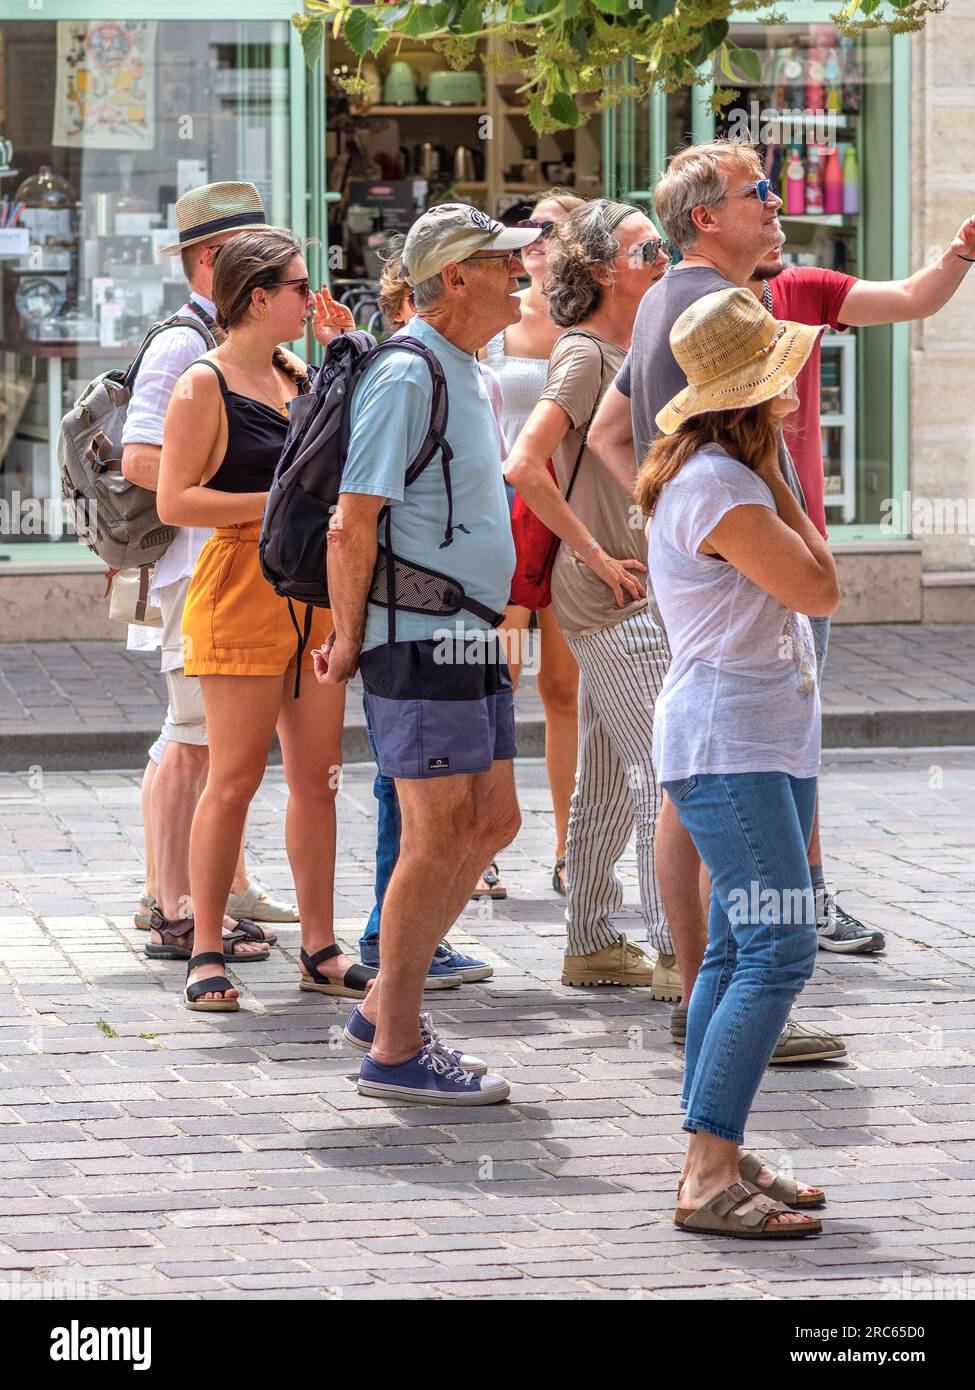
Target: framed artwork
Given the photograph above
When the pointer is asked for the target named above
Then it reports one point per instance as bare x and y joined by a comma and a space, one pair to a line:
105, 95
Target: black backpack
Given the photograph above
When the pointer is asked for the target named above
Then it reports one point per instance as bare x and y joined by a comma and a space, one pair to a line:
307, 481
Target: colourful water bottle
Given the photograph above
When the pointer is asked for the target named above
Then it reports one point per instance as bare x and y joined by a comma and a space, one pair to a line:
851, 180
834, 82
833, 181
795, 184
814, 181
816, 81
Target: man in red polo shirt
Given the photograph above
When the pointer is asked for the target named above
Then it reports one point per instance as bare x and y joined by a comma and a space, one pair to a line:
808, 294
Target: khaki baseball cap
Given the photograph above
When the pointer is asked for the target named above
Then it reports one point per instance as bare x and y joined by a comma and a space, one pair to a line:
452, 232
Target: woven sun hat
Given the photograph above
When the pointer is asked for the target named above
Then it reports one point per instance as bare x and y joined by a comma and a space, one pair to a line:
213, 208
733, 353
451, 232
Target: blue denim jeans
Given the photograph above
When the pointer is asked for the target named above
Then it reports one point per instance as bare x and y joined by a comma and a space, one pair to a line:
751, 830
387, 852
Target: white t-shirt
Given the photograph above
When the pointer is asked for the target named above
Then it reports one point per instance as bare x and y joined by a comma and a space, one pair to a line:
167, 357
740, 694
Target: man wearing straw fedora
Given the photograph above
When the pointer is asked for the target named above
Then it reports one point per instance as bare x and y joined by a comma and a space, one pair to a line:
206, 217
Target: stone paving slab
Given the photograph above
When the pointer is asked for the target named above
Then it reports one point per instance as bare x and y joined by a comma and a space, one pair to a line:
80, 705
146, 1152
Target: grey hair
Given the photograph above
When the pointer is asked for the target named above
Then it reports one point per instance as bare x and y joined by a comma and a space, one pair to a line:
583, 242
428, 292
695, 178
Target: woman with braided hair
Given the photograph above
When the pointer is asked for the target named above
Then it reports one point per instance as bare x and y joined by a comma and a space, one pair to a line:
224, 431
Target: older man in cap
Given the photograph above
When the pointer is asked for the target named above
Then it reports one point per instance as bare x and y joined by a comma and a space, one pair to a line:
441, 712
206, 217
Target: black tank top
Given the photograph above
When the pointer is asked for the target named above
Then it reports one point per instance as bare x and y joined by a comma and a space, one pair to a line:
255, 438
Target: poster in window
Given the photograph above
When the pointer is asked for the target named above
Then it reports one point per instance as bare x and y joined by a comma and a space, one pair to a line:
105, 96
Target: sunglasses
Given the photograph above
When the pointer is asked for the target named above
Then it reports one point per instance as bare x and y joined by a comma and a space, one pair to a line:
504, 258
301, 281
761, 188
544, 228
648, 251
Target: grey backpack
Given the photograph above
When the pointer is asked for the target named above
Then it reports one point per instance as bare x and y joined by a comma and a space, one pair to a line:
117, 519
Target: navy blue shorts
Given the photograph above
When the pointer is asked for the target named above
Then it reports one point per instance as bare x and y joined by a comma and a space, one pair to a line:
437, 717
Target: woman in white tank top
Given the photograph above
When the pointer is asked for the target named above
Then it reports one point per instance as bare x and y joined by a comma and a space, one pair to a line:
519, 357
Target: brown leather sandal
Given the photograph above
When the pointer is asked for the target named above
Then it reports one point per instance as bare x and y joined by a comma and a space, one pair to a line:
719, 1217
783, 1189
176, 941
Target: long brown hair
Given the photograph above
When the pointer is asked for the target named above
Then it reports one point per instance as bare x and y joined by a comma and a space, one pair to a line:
750, 435
251, 261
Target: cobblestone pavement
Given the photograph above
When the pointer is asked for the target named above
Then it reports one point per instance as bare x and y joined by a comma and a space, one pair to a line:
71, 687
146, 1151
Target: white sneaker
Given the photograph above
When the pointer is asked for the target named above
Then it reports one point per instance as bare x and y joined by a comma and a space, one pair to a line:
256, 903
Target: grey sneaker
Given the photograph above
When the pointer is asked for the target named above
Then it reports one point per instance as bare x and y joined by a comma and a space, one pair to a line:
798, 1043
838, 931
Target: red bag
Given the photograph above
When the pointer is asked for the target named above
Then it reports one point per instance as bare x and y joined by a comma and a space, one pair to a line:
535, 545
535, 550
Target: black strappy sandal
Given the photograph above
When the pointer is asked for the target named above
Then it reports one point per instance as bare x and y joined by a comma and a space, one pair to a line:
177, 940
253, 931
353, 984
558, 882
213, 984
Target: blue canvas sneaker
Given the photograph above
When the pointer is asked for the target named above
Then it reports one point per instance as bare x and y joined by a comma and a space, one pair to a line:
469, 969
438, 976
429, 1078
360, 1033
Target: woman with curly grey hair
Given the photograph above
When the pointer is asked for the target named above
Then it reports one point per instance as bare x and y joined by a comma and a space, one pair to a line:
604, 258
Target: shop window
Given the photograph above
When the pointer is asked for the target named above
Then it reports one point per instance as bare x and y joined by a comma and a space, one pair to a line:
103, 124
821, 114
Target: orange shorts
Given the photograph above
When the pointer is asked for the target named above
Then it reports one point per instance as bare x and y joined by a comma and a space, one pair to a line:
234, 624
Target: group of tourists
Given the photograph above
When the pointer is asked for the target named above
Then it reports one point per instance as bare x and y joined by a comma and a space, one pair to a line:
654, 401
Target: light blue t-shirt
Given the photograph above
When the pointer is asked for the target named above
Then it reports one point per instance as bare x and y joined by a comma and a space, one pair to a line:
389, 418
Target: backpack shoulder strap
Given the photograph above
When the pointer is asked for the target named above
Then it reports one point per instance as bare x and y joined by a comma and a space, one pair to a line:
583, 333
179, 320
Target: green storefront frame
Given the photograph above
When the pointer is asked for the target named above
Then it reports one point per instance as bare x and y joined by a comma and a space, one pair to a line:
305, 154
625, 175
632, 128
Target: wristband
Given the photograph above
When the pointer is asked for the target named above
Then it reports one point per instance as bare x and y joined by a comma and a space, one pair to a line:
581, 554
970, 259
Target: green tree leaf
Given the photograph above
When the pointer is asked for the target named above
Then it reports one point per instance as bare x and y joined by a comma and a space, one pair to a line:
746, 60
659, 9
360, 30
313, 41
471, 17
564, 110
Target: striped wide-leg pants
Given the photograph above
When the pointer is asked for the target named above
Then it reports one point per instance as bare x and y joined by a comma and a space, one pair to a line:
622, 668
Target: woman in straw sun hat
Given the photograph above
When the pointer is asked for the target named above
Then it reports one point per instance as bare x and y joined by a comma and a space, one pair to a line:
737, 568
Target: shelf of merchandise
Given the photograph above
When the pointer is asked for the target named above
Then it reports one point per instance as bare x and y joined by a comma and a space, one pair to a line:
845, 421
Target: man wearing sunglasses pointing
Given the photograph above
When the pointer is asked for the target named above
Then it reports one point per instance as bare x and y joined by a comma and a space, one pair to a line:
718, 208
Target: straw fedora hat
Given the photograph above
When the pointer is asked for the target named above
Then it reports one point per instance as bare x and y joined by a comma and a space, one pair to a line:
213, 208
733, 353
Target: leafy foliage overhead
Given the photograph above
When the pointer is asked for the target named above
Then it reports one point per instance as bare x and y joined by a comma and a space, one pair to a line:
571, 57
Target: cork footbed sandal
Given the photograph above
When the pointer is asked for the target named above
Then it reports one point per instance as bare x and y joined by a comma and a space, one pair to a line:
719, 1217
783, 1189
